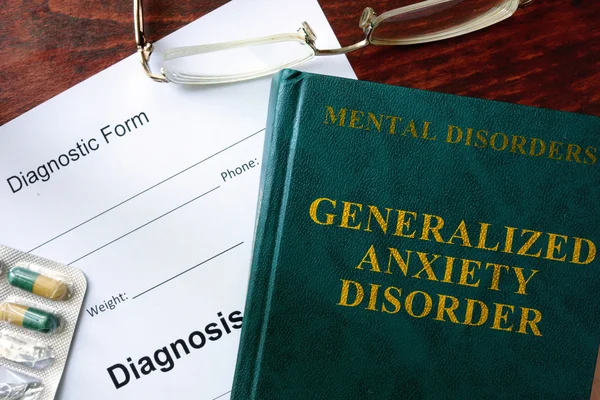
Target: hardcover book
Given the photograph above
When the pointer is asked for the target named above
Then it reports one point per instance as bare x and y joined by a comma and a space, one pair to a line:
418, 245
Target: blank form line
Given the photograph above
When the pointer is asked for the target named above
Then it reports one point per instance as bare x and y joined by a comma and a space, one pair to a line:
145, 190
188, 270
146, 224
218, 397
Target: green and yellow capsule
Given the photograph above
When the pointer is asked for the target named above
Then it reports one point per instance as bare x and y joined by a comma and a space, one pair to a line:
38, 284
28, 317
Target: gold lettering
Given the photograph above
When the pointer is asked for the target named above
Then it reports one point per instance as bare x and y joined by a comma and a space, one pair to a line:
483, 237
425, 130
461, 233
522, 281
577, 251
573, 151
426, 266
532, 323
496, 274
590, 153
373, 297
403, 265
504, 141
535, 235
510, 233
345, 292
442, 308
393, 300
451, 129
409, 304
370, 258
393, 120
355, 117
532, 147
519, 145
350, 216
433, 229
313, 211
341, 116
448, 272
553, 246
501, 317
401, 224
376, 122
466, 273
554, 149
481, 139
469, 313
469, 136
383, 223
411, 127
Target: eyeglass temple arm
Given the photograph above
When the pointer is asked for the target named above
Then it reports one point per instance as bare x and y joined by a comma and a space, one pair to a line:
144, 47
341, 50
310, 37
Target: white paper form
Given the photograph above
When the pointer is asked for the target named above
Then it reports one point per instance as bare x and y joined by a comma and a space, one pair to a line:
151, 190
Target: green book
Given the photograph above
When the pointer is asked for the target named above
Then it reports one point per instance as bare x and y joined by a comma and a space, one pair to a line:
419, 245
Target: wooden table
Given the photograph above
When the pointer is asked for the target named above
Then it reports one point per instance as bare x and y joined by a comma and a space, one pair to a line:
546, 55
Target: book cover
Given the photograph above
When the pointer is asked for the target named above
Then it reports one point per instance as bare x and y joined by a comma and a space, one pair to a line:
418, 245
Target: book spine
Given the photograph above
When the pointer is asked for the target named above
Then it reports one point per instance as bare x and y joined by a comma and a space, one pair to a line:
275, 160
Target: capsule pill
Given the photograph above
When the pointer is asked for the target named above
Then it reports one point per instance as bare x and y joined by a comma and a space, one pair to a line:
28, 317
38, 284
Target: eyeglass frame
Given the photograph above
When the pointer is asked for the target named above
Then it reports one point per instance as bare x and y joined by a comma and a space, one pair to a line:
368, 22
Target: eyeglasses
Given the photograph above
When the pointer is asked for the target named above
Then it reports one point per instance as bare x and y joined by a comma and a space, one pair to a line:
420, 22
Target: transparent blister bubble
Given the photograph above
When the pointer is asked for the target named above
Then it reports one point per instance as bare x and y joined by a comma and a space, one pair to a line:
30, 316
40, 302
18, 386
25, 351
40, 281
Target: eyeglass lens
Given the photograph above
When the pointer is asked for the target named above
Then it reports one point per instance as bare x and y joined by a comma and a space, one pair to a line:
435, 20
235, 61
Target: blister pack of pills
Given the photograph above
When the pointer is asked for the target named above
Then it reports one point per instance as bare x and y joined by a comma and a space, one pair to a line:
40, 301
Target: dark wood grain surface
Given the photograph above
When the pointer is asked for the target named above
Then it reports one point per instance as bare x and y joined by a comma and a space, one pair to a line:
546, 55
